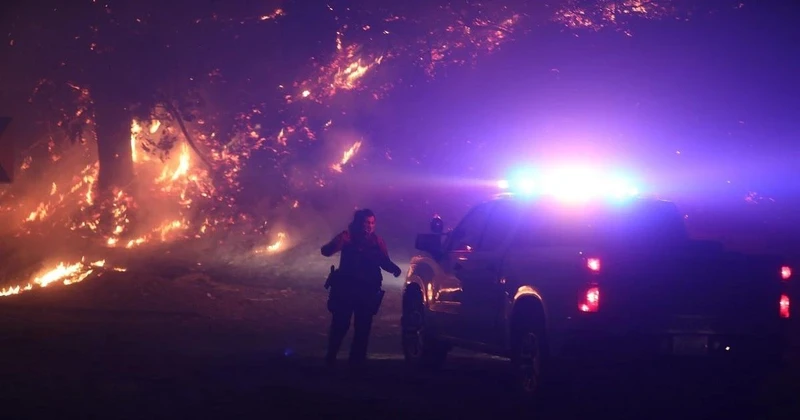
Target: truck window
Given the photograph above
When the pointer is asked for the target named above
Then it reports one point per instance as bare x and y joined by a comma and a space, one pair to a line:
644, 223
551, 230
501, 225
630, 224
467, 235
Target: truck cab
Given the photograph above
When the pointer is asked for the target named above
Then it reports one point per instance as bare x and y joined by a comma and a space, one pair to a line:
531, 279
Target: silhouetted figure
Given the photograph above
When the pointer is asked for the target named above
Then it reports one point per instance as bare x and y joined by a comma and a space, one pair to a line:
355, 288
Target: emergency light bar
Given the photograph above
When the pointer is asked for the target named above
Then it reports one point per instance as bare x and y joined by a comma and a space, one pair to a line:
572, 184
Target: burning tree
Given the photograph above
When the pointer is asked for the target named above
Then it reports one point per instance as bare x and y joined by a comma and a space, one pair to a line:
164, 105
114, 63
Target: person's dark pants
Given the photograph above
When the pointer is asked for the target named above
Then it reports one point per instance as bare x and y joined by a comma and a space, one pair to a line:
361, 310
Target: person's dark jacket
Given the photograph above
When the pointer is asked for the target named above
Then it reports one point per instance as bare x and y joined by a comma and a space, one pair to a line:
361, 260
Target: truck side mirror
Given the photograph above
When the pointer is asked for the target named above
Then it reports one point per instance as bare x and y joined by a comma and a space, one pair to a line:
437, 225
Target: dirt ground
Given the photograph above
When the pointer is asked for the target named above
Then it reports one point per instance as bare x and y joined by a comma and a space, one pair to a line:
162, 341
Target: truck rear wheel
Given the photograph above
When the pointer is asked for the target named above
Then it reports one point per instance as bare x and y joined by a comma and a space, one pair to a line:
420, 348
529, 360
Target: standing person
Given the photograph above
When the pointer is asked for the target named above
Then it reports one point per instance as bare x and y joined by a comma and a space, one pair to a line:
356, 292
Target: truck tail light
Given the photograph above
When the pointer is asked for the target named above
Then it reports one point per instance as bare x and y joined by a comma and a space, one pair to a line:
590, 300
593, 264
786, 272
784, 306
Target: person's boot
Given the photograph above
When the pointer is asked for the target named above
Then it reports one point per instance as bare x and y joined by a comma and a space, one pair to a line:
334, 343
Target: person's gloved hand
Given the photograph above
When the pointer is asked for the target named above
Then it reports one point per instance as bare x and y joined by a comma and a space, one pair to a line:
397, 271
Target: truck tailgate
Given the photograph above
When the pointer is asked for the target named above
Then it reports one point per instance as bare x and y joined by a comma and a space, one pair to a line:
657, 287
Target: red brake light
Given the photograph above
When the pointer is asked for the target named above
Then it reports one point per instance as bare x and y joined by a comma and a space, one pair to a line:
784, 306
786, 272
593, 264
590, 301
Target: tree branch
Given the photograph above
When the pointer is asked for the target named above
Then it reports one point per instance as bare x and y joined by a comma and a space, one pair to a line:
179, 118
494, 28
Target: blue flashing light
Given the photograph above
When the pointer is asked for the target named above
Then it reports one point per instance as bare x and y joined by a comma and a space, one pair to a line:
570, 184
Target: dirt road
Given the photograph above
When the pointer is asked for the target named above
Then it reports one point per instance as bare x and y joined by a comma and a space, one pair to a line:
131, 346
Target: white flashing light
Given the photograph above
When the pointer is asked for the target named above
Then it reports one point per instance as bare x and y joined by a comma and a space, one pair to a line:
570, 184
526, 185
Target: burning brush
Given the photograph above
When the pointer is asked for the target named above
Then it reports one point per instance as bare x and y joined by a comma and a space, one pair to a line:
188, 174
66, 274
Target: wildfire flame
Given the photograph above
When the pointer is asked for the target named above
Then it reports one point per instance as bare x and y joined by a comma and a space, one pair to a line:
608, 13
64, 273
187, 175
348, 154
277, 246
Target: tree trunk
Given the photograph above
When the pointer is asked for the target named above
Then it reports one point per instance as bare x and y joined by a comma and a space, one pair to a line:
113, 130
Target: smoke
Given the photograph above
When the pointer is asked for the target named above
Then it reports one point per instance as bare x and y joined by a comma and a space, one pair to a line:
260, 198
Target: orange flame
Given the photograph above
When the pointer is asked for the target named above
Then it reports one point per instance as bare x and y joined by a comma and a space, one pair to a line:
348, 154
182, 184
67, 274
276, 247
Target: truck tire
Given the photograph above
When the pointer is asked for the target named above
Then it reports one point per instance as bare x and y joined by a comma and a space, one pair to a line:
529, 358
420, 348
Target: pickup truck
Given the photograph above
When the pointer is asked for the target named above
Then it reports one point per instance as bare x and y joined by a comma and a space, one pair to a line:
532, 279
